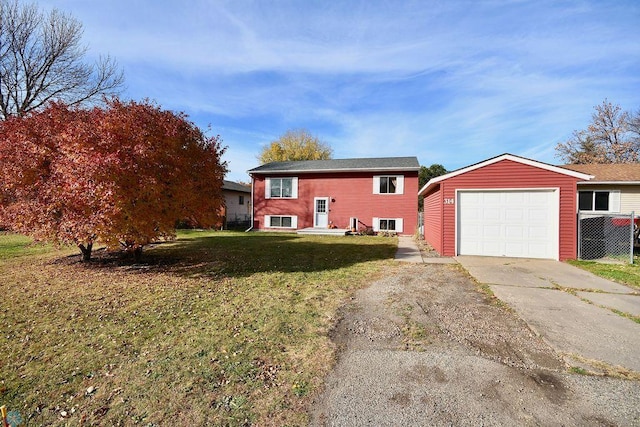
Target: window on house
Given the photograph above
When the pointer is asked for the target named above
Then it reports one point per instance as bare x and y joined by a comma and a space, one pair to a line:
388, 184
281, 221
285, 188
387, 225
241, 200
603, 201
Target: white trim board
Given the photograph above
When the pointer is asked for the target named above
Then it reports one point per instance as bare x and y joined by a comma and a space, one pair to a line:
500, 158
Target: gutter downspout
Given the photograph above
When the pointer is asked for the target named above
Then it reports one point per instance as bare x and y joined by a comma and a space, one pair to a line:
252, 206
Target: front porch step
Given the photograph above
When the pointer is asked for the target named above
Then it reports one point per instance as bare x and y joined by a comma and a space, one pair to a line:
323, 231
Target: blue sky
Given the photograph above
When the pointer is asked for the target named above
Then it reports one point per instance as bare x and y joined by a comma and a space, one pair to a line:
451, 82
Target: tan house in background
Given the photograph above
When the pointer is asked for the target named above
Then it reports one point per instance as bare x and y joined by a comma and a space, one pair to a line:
237, 201
614, 189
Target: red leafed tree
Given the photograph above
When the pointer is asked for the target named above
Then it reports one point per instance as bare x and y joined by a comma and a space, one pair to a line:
121, 175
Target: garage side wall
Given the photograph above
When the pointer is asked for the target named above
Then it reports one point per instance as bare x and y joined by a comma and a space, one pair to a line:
508, 174
433, 219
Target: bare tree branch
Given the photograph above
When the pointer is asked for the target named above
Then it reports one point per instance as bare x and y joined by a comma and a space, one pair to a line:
613, 136
42, 59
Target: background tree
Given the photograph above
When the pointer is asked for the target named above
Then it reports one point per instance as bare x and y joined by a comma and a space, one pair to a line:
121, 175
613, 136
425, 174
42, 59
296, 144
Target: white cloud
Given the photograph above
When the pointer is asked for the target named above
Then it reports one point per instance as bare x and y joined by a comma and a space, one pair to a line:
452, 82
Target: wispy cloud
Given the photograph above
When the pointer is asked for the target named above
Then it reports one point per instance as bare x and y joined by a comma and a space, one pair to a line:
451, 82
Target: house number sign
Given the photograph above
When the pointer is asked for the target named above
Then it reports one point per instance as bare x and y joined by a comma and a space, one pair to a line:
448, 201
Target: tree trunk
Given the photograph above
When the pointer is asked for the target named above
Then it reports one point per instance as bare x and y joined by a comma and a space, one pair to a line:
86, 251
137, 253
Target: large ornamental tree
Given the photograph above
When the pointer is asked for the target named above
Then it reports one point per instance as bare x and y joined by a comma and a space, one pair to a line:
121, 175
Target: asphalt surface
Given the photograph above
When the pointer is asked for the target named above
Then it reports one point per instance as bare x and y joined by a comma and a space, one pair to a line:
424, 347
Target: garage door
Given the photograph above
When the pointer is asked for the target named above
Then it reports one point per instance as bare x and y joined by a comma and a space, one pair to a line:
521, 223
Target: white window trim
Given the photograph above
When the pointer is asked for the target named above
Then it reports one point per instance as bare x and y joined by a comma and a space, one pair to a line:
614, 201
294, 221
399, 185
399, 224
294, 187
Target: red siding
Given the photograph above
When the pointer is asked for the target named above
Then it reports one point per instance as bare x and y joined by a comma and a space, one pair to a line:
353, 195
507, 174
433, 219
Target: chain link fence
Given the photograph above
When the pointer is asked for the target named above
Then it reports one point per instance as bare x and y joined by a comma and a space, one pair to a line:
609, 236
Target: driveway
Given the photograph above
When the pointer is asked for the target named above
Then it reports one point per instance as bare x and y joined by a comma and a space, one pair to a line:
572, 309
422, 346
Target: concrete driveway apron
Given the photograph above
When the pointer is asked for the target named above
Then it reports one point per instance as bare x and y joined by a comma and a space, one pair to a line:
570, 308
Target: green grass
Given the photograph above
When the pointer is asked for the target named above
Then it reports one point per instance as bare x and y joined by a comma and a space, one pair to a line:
214, 328
627, 274
578, 370
14, 245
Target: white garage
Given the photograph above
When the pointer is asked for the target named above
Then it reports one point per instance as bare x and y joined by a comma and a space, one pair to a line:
512, 223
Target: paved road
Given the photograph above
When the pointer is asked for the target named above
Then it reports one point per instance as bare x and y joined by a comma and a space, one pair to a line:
570, 308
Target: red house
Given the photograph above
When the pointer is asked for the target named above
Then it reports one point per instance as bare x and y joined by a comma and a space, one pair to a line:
346, 194
504, 206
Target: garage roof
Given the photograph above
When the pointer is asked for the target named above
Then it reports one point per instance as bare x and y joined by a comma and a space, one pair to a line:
432, 182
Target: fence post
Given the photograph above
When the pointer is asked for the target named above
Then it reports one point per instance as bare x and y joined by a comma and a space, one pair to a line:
632, 235
579, 238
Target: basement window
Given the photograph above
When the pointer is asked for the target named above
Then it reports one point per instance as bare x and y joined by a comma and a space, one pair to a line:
281, 221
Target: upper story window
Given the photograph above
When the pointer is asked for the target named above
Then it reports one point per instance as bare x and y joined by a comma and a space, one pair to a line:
599, 201
281, 188
388, 184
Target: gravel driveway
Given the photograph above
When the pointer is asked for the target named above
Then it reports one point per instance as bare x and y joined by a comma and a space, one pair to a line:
423, 346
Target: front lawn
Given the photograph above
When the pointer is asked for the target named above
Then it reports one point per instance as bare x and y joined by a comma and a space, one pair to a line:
215, 328
627, 274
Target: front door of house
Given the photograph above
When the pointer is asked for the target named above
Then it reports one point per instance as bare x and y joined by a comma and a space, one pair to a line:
321, 209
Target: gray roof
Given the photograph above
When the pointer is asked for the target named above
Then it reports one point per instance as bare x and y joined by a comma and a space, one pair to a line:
380, 164
234, 186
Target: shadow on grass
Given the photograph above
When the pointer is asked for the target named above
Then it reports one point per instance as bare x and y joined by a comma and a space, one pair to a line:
234, 254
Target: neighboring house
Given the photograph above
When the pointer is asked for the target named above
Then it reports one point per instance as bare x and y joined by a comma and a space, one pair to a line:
504, 206
360, 194
615, 188
237, 202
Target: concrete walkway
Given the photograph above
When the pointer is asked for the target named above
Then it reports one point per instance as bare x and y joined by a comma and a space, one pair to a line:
570, 308
408, 251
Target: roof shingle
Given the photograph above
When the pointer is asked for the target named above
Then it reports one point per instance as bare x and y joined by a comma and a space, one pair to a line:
612, 172
235, 186
340, 165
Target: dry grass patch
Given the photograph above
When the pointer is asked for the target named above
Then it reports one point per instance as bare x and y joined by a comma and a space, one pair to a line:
214, 328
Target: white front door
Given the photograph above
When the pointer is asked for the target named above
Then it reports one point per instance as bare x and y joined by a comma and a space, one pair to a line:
321, 209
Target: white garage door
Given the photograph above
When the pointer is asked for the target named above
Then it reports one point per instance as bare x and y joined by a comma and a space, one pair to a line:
520, 223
